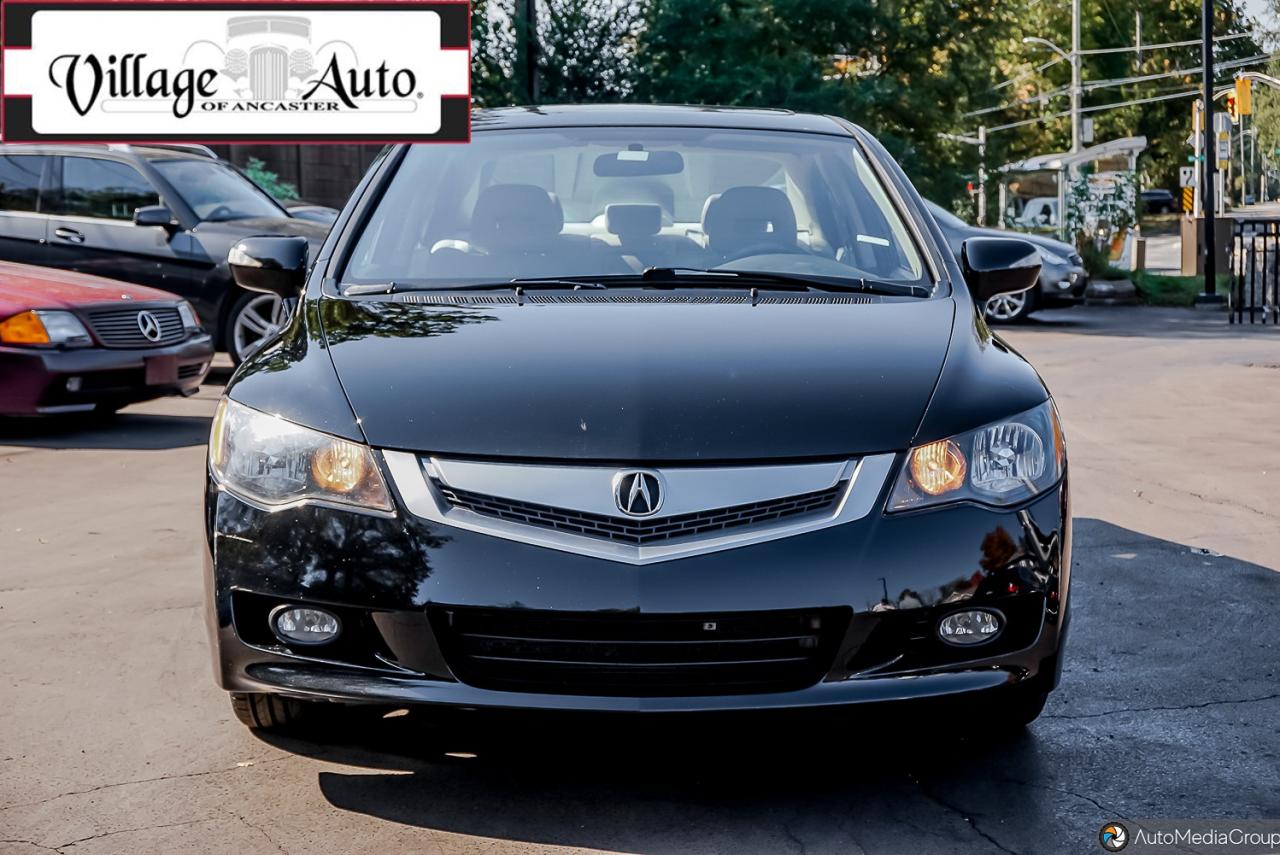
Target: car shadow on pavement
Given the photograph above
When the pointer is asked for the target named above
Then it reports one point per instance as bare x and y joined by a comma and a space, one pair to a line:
1171, 664
127, 431
1137, 322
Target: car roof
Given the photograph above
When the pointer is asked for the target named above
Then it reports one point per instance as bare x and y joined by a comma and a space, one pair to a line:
152, 152
663, 115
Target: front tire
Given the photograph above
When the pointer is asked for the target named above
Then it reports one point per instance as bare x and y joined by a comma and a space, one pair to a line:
1011, 308
266, 712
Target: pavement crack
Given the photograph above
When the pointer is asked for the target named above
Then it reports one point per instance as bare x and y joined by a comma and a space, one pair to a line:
1182, 708
968, 818
247, 824
178, 777
28, 843
63, 846
794, 838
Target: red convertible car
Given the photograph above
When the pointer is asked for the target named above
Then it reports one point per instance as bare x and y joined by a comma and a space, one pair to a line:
71, 343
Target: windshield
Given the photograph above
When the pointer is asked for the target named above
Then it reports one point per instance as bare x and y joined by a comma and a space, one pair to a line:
617, 201
215, 191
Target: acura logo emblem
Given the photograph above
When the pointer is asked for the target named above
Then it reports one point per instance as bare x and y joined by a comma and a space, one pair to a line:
149, 326
637, 492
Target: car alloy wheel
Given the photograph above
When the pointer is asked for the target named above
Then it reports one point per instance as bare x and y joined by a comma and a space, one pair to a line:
255, 322
1008, 307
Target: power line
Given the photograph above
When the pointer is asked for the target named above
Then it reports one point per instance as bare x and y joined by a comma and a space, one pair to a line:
1184, 93
1124, 81
1146, 47
1095, 51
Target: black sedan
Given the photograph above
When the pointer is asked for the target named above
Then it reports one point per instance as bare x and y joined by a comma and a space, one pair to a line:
1063, 278
644, 409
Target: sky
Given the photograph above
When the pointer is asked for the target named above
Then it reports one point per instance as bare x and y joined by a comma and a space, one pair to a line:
1264, 12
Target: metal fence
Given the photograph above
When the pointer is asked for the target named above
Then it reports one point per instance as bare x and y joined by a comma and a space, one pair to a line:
1255, 272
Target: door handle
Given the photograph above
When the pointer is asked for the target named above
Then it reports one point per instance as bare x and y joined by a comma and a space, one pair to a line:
69, 234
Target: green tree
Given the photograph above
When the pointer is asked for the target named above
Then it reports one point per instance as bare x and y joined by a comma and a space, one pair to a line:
585, 50
905, 70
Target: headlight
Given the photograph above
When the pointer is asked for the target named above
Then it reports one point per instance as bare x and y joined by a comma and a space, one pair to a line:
1000, 464
1052, 257
190, 320
44, 326
273, 463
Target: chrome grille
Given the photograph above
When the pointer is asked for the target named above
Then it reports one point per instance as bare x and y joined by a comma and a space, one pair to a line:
638, 655
643, 531
268, 73
119, 327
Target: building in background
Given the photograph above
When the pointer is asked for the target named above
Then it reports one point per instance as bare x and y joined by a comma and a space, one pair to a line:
323, 174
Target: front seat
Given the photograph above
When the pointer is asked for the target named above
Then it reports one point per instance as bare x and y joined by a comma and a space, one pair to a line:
515, 218
638, 228
749, 217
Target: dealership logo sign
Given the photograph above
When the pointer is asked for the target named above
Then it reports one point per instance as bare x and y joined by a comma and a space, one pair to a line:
137, 71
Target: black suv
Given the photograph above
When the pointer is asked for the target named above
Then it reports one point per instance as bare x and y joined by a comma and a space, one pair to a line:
163, 216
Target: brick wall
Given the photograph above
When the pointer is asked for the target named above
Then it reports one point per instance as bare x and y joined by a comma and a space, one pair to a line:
323, 174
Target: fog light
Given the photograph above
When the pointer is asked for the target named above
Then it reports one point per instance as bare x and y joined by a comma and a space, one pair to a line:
73, 384
298, 625
969, 628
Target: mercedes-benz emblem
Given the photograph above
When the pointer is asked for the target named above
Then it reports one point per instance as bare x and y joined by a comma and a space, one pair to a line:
149, 326
637, 492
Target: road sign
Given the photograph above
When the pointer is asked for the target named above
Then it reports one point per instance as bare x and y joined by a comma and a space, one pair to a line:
1224, 150
1086, 130
1188, 199
1186, 176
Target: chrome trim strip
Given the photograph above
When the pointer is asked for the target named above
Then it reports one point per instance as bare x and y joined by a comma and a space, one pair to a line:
410, 474
590, 488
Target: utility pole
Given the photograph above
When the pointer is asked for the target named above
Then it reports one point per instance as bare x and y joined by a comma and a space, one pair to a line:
1210, 147
982, 175
1137, 40
527, 48
1075, 75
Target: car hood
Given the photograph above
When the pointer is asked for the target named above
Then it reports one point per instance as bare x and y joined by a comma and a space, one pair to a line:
641, 381
23, 287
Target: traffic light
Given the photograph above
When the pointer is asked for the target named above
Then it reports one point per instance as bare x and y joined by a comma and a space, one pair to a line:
1231, 108
1244, 96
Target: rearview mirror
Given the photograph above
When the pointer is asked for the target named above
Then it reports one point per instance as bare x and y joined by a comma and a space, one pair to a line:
998, 266
154, 215
635, 162
272, 265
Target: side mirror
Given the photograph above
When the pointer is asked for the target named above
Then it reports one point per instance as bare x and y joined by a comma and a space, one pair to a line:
154, 215
272, 265
998, 266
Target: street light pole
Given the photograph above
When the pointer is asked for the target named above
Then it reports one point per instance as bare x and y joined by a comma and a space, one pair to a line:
1210, 148
1075, 76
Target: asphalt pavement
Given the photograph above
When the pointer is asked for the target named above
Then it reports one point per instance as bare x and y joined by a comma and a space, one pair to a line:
114, 739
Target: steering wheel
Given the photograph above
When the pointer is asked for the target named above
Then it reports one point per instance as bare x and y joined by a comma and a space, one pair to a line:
220, 213
764, 248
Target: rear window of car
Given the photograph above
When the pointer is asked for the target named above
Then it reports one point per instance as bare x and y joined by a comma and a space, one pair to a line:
20, 181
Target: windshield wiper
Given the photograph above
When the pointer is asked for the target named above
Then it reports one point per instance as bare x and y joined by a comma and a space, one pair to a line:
529, 284
670, 277
771, 279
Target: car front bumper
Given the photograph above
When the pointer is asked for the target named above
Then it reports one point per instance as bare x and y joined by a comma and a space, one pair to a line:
889, 578
1062, 285
36, 381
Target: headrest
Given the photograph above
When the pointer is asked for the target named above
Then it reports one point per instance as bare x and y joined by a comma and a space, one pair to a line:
515, 216
633, 220
745, 216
